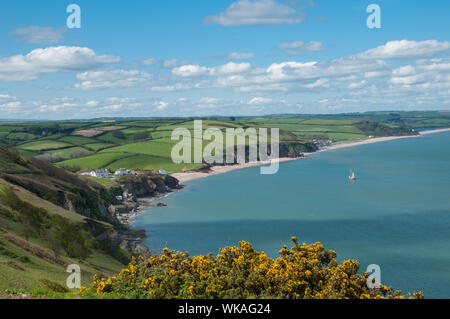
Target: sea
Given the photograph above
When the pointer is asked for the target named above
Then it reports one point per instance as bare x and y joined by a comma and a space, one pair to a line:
395, 215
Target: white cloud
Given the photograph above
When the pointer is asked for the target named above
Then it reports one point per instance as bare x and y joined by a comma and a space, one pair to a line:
289, 76
170, 63
349, 73
119, 103
314, 46
149, 61
107, 79
9, 103
344, 84
170, 88
374, 74
51, 60
10, 106
7, 98
256, 12
440, 65
357, 85
298, 47
232, 68
56, 104
406, 49
92, 103
161, 105
404, 70
190, 70
320, 83
425, 75
195, 70
407, 80
209, 102
286, 71
240, 56
41, 35
260, 101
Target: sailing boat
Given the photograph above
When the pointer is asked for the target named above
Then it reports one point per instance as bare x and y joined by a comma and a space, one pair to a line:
352, 177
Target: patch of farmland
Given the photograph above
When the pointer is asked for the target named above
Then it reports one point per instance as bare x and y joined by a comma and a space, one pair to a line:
21, 136
98, 146
99, 160
67, 153
44, 145
148, 162
97, 131
161, 147
76, 140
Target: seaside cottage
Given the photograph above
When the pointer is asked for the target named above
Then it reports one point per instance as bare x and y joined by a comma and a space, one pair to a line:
126, 195
100, 173
122, 172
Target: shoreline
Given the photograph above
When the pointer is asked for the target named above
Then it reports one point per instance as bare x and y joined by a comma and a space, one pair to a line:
215, 170
143, 204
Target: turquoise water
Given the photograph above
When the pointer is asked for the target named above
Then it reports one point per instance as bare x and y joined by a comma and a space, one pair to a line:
397, 214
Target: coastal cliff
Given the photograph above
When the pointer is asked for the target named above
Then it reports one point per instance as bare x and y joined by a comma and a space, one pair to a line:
148, 184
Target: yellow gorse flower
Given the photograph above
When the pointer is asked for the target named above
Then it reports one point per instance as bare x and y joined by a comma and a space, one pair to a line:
304, 271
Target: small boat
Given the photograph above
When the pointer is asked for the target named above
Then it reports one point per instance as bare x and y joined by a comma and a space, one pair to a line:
352, 177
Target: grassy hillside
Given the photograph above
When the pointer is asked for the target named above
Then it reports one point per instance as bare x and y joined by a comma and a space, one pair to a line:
50, 218
39, 239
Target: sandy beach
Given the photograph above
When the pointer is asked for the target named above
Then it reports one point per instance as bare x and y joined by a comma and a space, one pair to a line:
184, 177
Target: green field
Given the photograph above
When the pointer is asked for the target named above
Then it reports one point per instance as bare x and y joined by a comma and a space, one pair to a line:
98, 160
44, 145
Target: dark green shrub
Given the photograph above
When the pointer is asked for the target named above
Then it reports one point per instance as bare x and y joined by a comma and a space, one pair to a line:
54, 286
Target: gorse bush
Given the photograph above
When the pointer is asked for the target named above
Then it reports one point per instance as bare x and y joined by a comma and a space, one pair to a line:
304, 271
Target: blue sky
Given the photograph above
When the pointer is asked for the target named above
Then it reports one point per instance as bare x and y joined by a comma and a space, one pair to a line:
235, 57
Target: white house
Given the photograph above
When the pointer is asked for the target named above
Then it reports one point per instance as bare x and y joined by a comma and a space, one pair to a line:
126, 195
122, 172
100, 173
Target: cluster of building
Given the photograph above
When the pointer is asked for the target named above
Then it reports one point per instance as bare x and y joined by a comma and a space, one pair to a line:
104, 173
322, 143
124, 196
